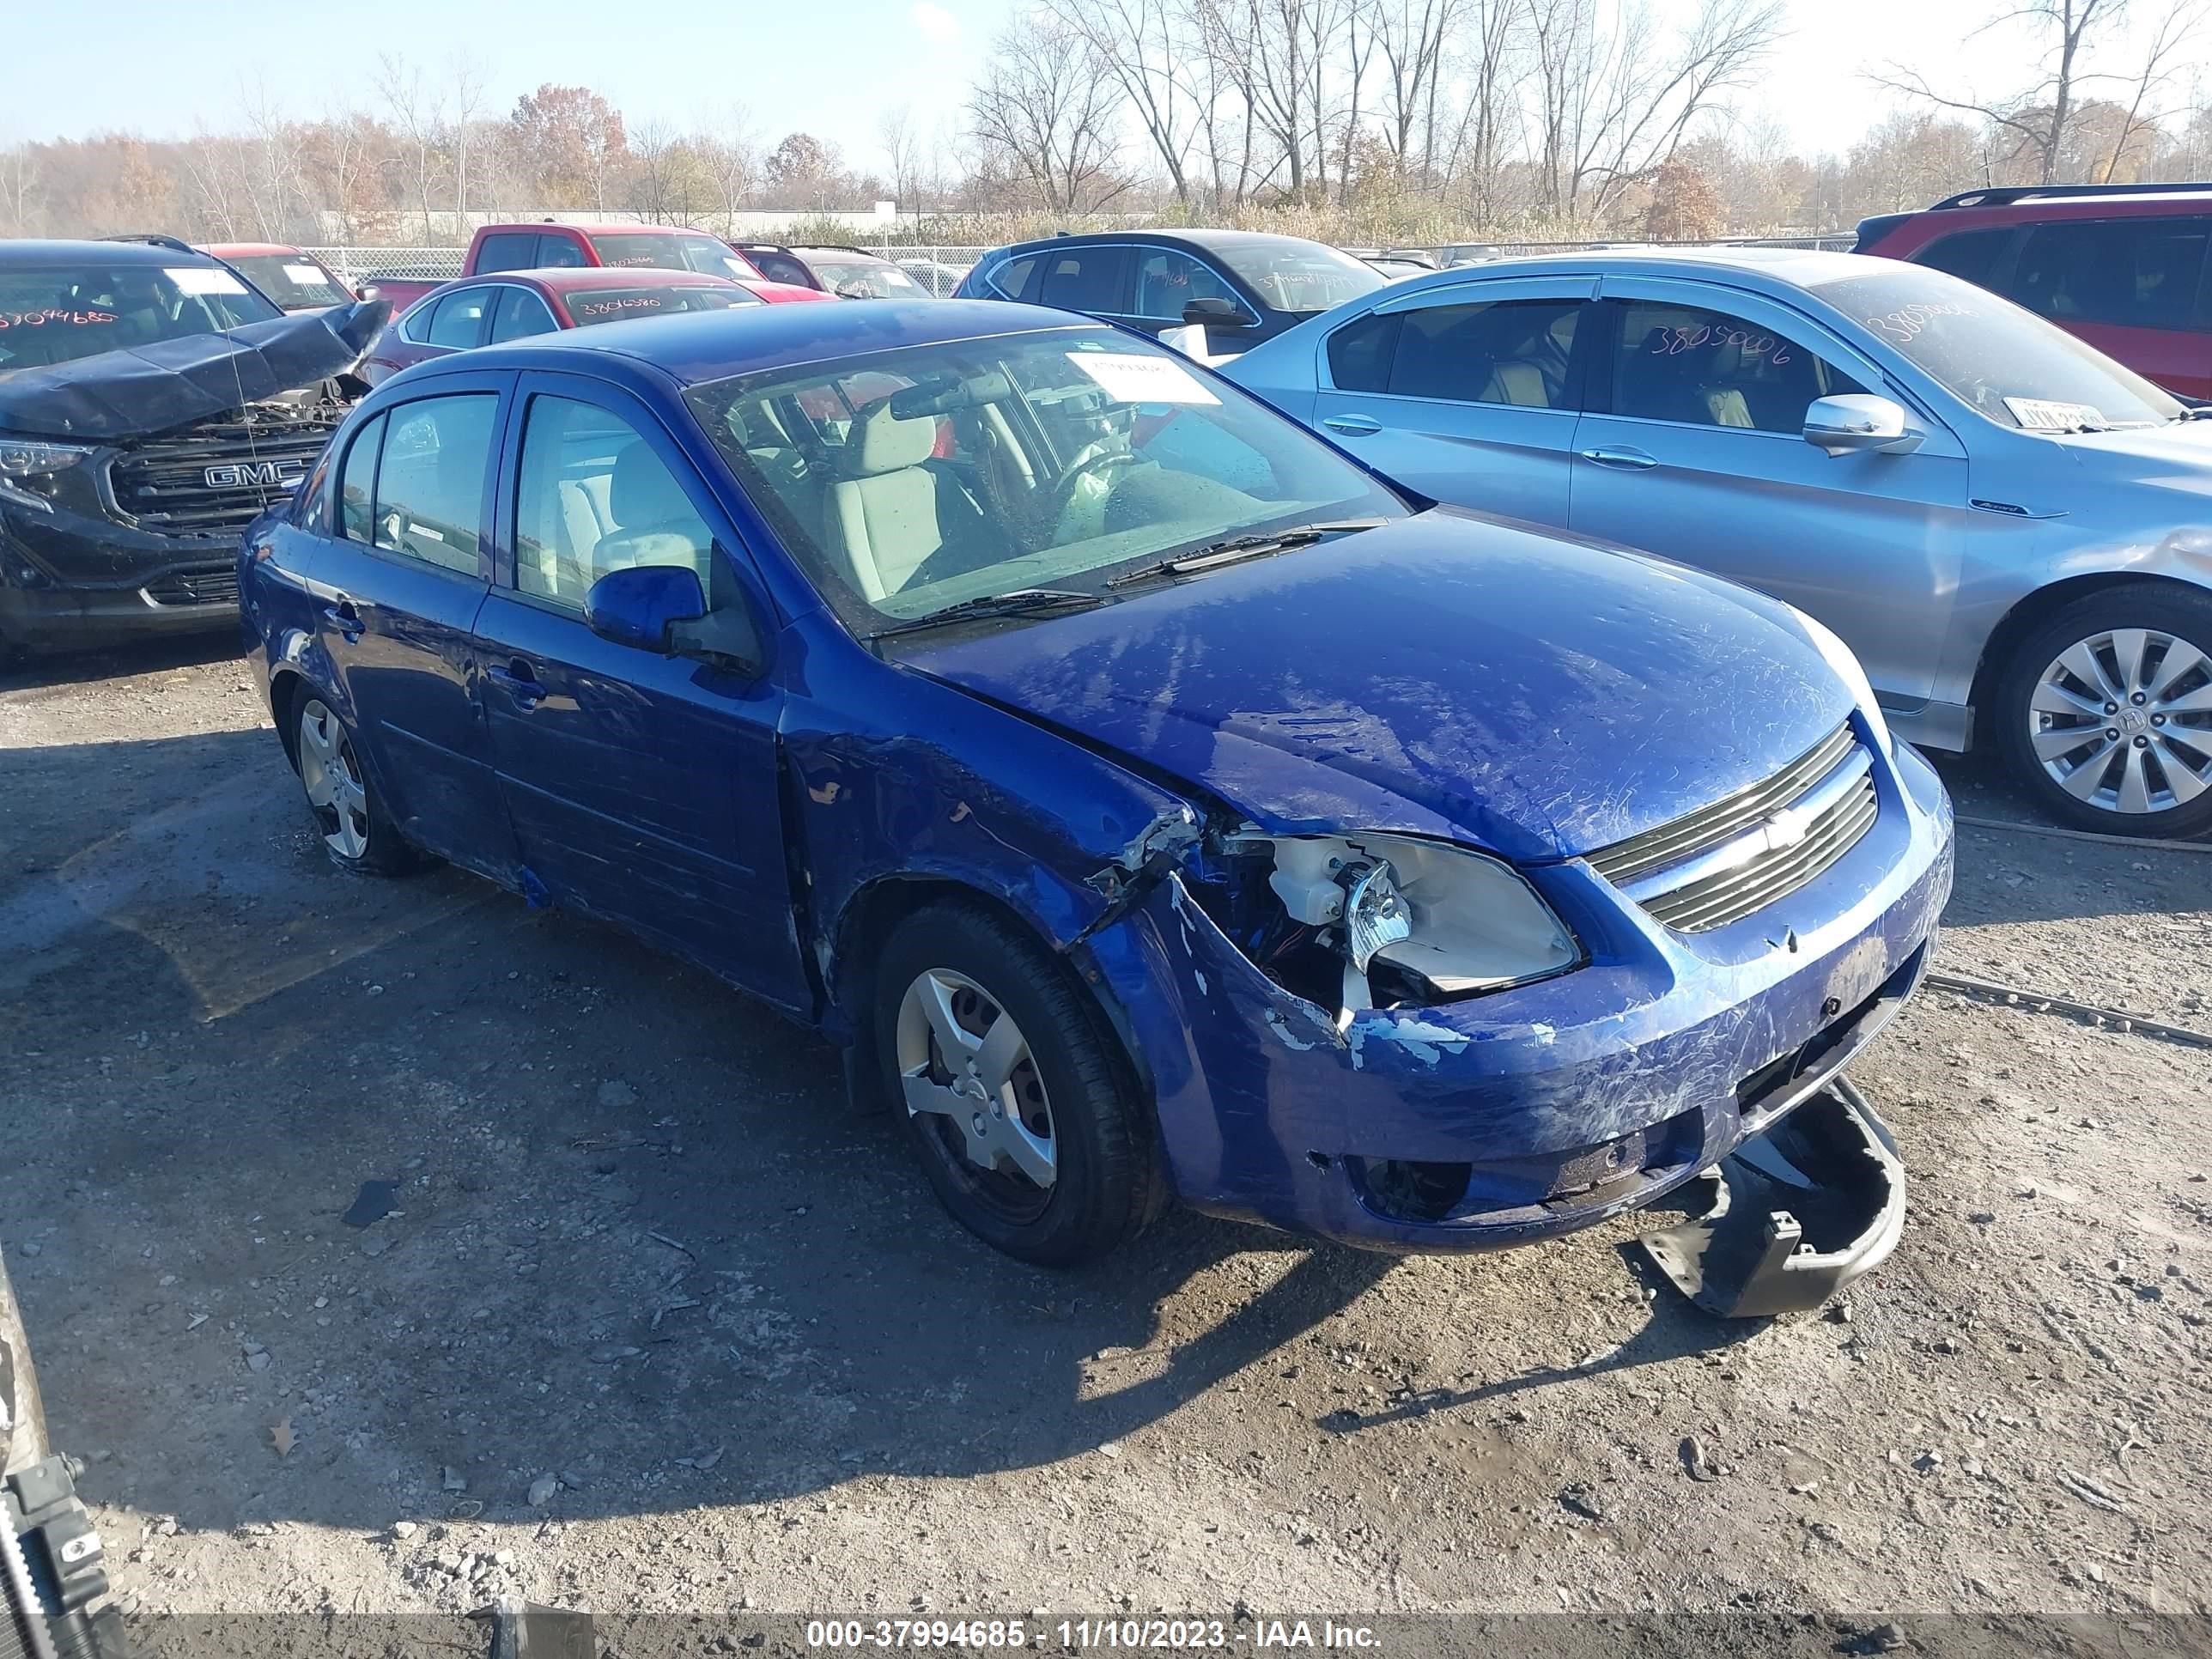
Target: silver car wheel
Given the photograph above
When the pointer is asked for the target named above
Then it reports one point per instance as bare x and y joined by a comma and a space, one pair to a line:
2122, 720
961, 1056
332, 779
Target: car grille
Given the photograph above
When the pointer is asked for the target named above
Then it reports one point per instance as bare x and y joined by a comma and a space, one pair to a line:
195, 587
164, 484
1722, 864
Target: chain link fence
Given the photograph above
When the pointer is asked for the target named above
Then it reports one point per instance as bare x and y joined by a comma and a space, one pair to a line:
939, 266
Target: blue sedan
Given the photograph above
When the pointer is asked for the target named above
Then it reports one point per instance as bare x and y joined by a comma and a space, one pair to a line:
1148, 798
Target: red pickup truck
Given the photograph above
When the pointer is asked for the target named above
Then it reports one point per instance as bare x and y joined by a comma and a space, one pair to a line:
550, 245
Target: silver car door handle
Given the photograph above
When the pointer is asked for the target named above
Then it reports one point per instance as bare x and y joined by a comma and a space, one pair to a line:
1357, 426
1632, 460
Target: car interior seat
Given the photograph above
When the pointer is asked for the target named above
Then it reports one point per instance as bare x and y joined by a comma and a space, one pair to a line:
880, 519
655, 522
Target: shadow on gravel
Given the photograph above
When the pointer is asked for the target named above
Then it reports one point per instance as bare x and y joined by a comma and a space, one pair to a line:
116, 662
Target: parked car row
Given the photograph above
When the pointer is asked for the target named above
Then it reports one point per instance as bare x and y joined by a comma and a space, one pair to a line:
2007, 526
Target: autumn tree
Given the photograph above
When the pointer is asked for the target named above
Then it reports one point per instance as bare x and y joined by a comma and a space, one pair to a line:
571, 143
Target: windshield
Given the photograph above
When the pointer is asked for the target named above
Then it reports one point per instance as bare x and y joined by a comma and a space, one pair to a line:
56, 314
911, 481
606, 305
868, 279
2010, 364
665, 250
1292, 275
291, 280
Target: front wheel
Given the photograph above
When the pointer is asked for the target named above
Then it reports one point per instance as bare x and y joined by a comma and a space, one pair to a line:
1025, 1125
356, 831
2105, 713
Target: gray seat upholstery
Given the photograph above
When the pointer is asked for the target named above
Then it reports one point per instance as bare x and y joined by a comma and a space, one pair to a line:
656, 523
880, 519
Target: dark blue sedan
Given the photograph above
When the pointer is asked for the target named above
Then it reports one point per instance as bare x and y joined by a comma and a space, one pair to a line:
1149, 799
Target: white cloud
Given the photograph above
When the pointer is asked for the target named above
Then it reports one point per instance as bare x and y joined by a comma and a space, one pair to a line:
934, 22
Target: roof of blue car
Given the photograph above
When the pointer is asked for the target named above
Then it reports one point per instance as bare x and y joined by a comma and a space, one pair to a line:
710, 345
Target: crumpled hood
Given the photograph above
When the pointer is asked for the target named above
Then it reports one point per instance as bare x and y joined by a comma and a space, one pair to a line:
142, 390
1449, 675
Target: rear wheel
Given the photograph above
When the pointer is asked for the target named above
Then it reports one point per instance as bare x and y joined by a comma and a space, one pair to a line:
356, 831
1025, 1125
2105, 713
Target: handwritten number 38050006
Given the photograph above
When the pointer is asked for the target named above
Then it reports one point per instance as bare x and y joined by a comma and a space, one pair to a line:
1690, 337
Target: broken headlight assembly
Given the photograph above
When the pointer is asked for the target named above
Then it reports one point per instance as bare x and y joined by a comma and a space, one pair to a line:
1379, 921
28, 470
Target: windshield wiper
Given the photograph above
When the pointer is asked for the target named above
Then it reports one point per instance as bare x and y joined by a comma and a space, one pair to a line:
1230, 550
1015, 602
2194, 412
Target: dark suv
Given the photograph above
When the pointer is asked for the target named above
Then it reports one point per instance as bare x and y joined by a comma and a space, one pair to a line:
1244, 286
2125, 267
152, 405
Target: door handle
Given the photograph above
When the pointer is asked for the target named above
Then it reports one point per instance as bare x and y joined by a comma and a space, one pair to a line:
519, 682
1629, 460
1356, 426
340, 614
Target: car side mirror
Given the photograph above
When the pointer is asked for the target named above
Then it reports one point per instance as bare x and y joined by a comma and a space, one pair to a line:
639, 606
1214, 312
1858, 421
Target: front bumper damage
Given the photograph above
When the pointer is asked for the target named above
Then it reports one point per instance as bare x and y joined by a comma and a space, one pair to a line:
1531, 1112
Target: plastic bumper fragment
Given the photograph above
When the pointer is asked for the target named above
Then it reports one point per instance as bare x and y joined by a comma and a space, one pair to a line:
1794, 1215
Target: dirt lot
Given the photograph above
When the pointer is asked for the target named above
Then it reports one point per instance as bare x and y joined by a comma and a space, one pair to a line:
643, 1247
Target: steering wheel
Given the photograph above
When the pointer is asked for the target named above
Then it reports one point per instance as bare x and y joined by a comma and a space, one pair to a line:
1098, 463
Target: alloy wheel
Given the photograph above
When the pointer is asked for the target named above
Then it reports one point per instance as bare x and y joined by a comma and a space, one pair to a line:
333, 776
964, 1064
2122, 720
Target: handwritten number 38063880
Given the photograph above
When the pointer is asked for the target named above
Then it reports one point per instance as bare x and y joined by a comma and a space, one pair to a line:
1689, 336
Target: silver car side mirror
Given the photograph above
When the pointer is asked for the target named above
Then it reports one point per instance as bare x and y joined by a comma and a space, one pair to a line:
1858, 421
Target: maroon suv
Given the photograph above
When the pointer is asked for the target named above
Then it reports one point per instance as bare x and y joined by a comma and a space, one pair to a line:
2122, 266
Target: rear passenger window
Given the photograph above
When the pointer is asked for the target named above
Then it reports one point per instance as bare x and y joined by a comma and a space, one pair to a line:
357, 484
459, 321
1505, 351
594, 497
1969, 255
2128, 273
1359, 353
1015, 278
511, 250
430, 480
1086, 279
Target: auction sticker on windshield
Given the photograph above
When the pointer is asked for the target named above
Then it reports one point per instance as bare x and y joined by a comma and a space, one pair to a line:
307, 274
194, 280
1130, 378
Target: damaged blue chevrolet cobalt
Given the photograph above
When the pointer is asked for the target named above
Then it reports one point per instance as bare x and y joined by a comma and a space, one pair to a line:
1147, 798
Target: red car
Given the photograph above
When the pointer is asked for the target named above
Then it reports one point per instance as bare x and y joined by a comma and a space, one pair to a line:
294, 278
2124, 267
485, 310
549, 245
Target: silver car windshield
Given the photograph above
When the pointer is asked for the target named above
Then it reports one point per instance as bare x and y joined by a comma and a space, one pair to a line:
908, 482
2010, 364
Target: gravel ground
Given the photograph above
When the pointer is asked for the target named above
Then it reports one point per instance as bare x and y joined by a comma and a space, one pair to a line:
660, 1325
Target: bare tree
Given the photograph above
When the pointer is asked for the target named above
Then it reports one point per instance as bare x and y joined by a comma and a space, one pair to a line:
904, 150
464, 82
2041, 115
1050, 111
730, 157
417, 111
2171, 33
20, 189
1144, 45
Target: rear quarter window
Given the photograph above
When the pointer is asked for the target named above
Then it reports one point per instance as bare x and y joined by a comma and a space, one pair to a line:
1969, 255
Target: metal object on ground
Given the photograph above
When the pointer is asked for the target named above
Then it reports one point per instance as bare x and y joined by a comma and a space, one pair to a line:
1795, 1215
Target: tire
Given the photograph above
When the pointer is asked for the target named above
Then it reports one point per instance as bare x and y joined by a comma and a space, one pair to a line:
1061, 1198
357, 833
2130, 670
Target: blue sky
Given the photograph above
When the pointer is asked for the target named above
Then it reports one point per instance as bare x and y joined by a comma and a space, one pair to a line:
830, 67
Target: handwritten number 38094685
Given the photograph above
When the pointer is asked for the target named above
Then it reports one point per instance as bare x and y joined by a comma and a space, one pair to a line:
1689, 336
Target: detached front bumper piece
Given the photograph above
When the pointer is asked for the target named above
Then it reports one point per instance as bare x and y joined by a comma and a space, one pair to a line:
1794, 1215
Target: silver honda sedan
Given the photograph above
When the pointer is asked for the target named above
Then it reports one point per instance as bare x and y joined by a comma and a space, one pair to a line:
2012, 531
